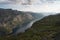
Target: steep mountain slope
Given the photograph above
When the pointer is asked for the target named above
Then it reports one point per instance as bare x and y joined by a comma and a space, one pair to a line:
10, 19
47, 28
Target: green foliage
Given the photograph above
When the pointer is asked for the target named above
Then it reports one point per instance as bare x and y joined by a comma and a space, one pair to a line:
45, 29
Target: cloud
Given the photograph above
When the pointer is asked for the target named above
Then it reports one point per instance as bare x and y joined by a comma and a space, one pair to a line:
36, 5
14, 1
9, 1
25, 1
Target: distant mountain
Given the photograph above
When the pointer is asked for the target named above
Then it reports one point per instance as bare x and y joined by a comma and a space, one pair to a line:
47, 28
10, 19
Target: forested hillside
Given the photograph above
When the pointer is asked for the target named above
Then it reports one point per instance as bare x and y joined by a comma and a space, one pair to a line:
47, 28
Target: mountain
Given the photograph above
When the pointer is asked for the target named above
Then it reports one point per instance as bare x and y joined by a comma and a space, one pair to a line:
47, 28
13, 19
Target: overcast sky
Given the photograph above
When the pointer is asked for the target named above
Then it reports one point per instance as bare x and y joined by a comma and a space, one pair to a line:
32, 5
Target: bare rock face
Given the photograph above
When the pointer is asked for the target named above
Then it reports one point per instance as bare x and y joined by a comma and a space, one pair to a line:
9, 19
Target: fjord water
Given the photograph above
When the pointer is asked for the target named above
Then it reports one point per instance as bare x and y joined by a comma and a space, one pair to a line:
26, 26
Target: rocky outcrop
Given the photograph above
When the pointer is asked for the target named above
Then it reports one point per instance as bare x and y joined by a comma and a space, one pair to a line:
9, 19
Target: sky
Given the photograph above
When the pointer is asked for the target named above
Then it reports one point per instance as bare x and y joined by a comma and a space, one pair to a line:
31, 5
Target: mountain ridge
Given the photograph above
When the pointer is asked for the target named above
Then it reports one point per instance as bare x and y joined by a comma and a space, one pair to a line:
45, 29
10, 19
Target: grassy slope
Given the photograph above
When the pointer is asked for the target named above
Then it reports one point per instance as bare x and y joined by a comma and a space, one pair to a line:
45, 29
